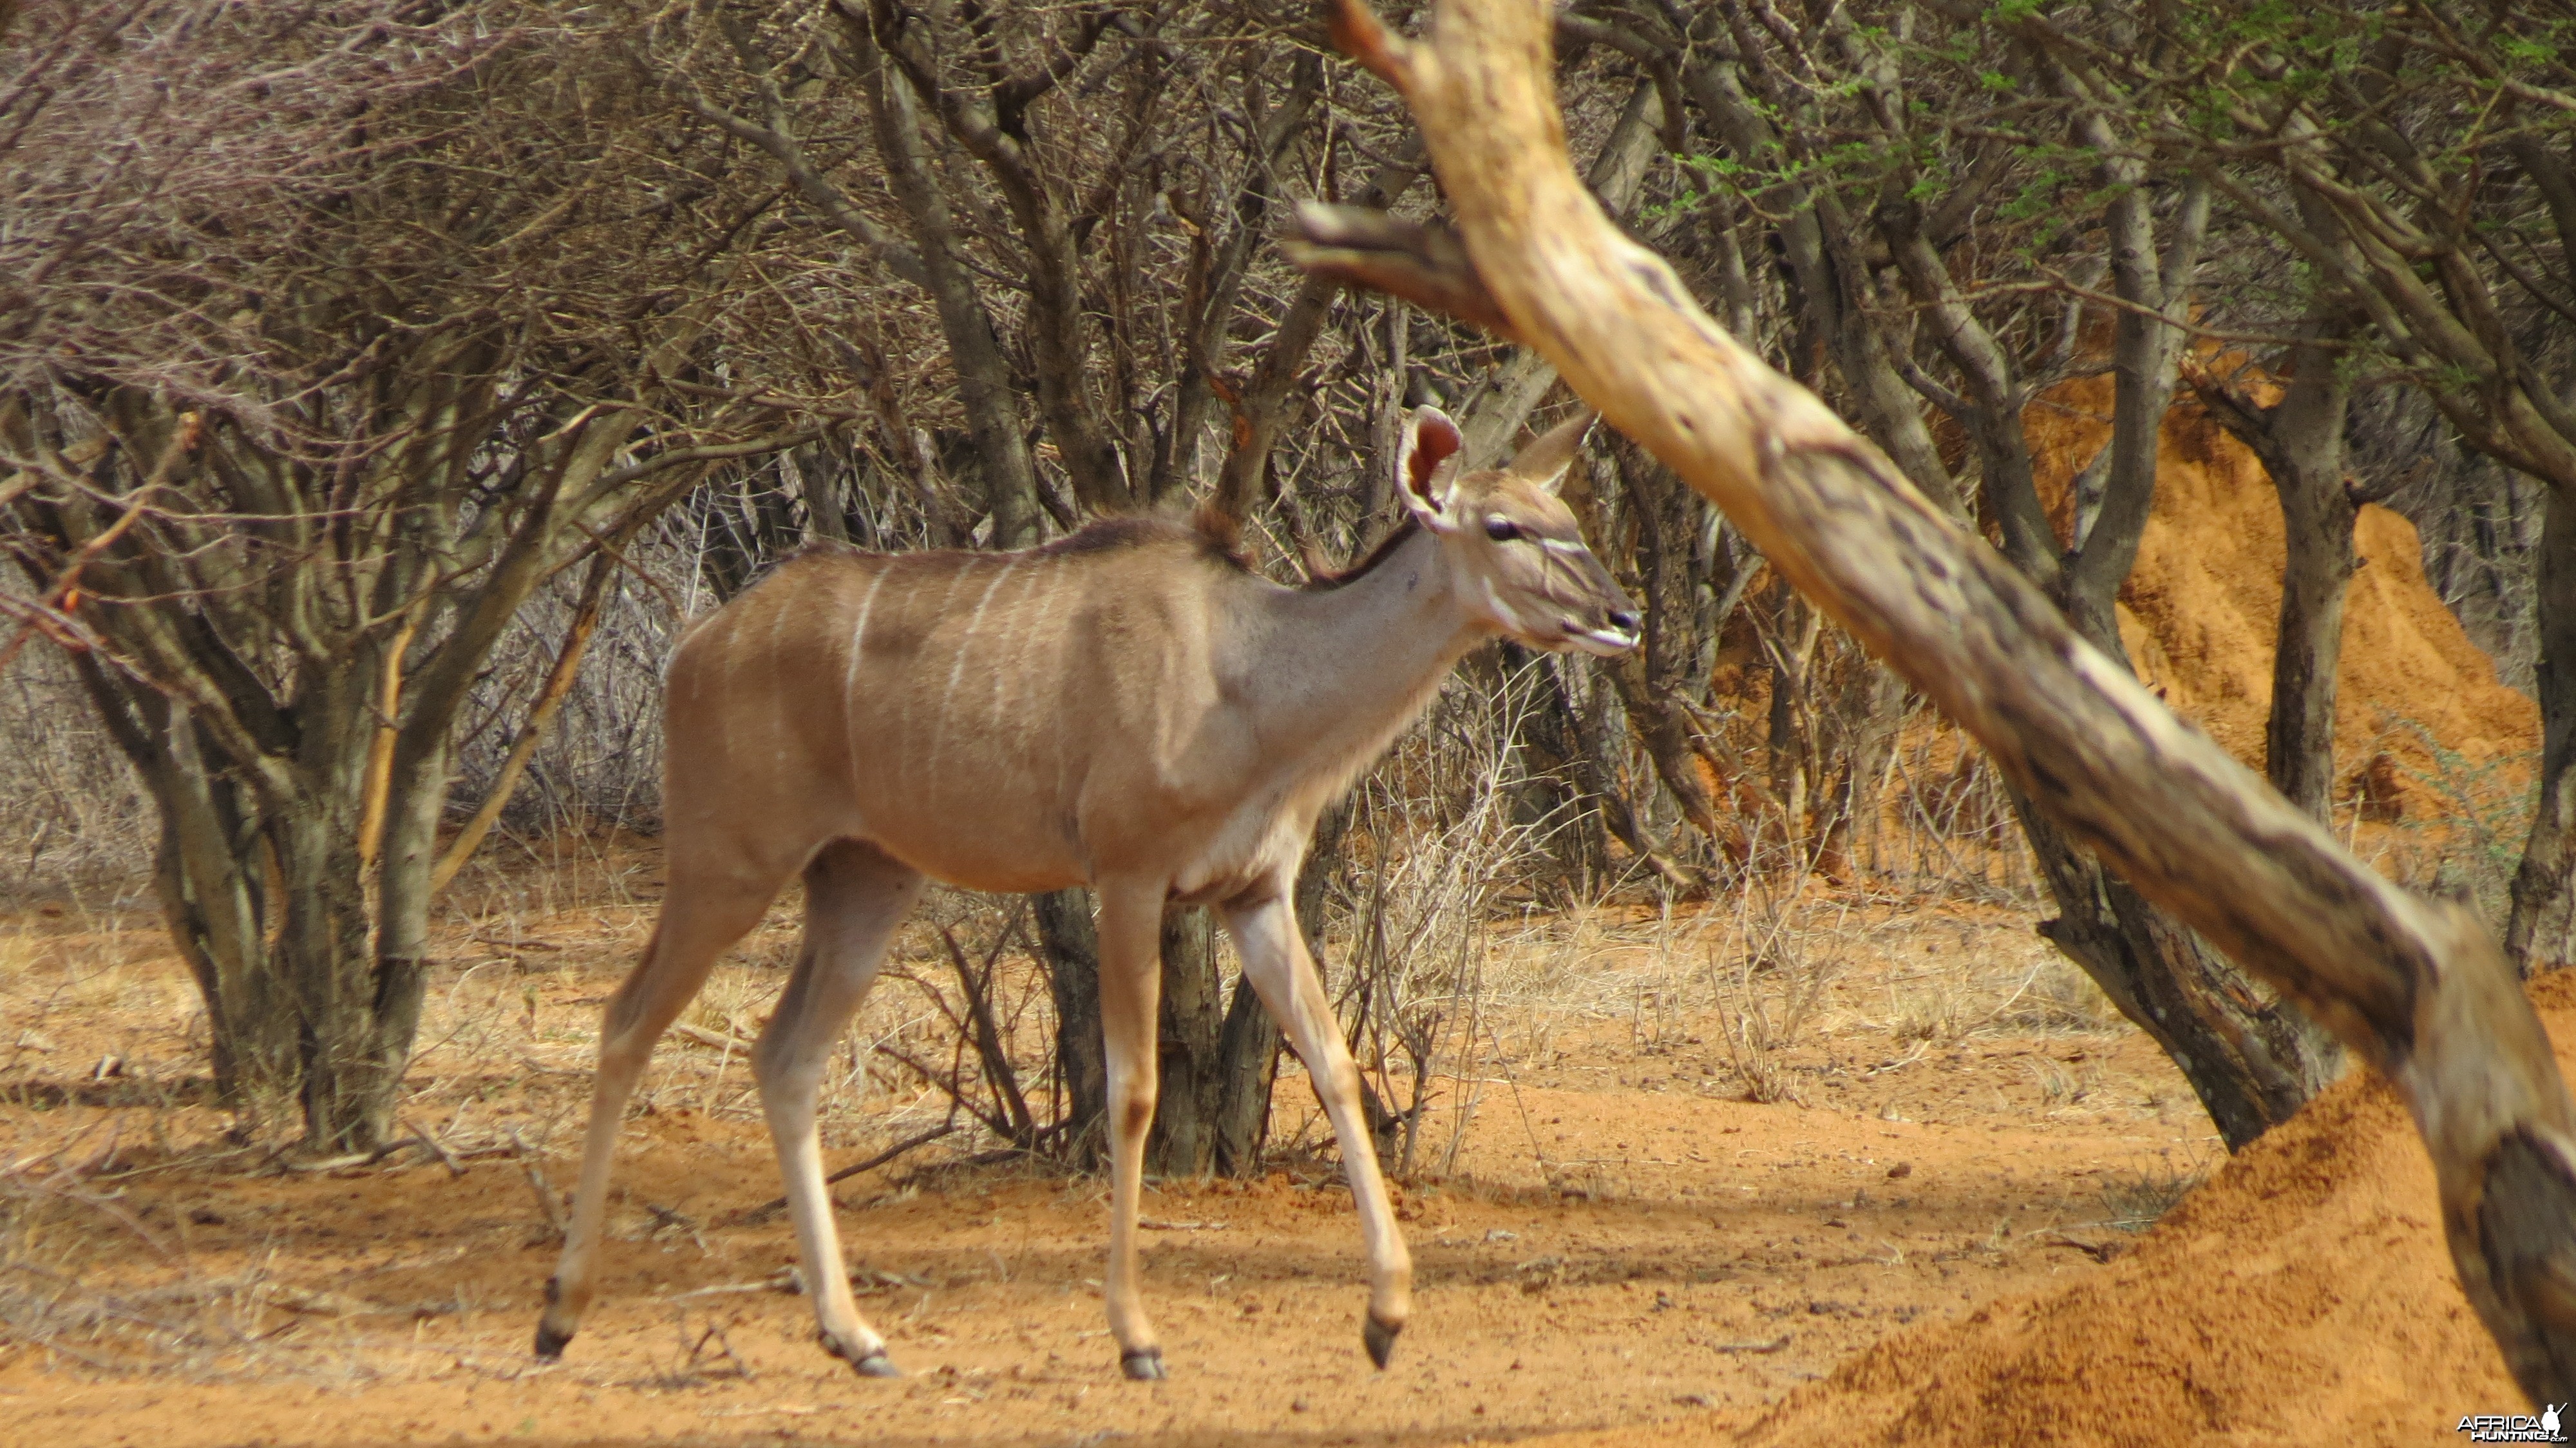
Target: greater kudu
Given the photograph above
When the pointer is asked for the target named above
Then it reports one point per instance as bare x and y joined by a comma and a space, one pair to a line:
1129, 708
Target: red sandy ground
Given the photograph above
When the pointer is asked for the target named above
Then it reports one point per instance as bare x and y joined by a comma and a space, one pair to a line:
2301, 1296
1619, 1244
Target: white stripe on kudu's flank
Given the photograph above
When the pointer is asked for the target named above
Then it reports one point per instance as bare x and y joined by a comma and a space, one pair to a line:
957, 670
1005, 740
850, 674
907, 753
778, 678
732, 657
1054, 713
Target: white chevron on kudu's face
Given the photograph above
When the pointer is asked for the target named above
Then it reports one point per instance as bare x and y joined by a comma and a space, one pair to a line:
1196, 718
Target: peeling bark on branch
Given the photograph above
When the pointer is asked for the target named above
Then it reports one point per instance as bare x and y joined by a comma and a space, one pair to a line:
2415, 986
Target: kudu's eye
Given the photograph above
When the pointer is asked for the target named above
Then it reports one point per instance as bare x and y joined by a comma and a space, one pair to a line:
1502, 530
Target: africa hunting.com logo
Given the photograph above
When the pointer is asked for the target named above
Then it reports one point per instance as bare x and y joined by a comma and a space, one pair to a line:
2515, 1427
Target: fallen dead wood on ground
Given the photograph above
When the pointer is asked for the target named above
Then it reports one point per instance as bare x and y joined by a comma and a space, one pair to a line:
2417, 987
711, 1039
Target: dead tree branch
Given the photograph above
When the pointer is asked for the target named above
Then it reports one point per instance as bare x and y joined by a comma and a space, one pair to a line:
2416, 987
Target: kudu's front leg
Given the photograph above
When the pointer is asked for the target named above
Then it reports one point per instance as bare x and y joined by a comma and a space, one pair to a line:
1276, 965
1131, 990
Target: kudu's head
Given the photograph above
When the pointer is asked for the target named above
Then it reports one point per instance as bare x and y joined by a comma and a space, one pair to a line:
1519, 561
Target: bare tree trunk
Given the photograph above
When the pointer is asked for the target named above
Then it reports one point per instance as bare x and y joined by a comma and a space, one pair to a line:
1658, 683
1183, 1141
2248, 1055
359, 1007
1867, 717
1072, 945
1556, 777
1247, 1054
1789, 649
2298, 739
269, 909
2549, 853
984, 380
209, 874
2300, 441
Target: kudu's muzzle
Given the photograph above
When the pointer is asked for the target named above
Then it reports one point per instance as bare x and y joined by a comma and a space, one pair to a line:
1596, 615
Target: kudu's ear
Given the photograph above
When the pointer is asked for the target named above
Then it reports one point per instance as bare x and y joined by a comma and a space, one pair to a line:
1546, 460
1426, 466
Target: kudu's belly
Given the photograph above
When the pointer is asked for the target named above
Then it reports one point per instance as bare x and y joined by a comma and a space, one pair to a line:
970, 827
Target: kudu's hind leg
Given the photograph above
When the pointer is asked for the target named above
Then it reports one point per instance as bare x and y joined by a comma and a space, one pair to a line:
1131, 990
702, 913
1276, 965
854, 898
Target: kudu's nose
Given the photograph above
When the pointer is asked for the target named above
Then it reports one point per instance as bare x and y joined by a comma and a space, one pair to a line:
1616, 633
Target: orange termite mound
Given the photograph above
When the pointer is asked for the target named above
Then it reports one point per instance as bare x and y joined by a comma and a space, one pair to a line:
2201, 607
2303, 1295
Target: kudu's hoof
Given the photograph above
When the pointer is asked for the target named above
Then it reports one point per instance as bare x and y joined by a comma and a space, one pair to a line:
550, 1343
1380, 1337
870, 1362
1144, 1367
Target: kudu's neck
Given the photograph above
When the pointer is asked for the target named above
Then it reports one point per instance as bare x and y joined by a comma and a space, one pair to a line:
1345, 668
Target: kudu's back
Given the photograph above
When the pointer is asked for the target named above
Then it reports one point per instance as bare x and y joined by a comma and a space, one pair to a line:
998, 721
